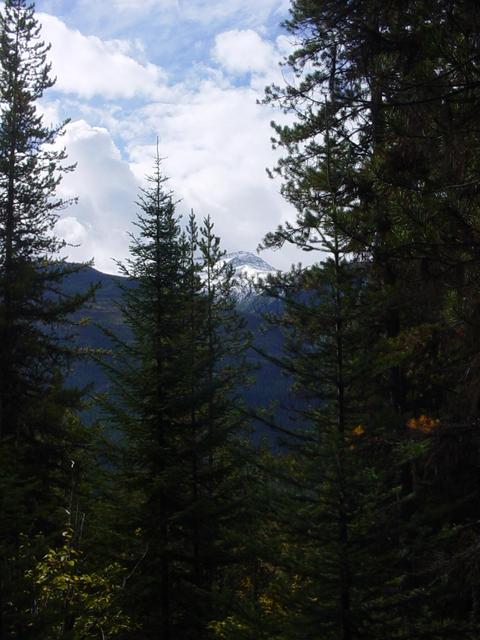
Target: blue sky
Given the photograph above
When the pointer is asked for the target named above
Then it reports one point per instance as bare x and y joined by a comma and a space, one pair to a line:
187, 71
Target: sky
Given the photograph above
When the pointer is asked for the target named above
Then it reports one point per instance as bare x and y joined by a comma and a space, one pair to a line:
189, 72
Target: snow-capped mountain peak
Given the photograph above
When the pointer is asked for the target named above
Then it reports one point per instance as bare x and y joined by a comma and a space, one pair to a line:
250, 269
241, 259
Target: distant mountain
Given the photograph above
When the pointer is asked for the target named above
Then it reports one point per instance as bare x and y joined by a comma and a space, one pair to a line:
248, 263
250, 270
269, 384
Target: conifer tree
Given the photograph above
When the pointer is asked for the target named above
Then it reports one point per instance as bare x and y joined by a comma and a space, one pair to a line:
328, 501
402, 86
173, 398
399, 87
36, 443
144, 405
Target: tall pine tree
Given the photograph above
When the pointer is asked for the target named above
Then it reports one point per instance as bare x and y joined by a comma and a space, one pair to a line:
174, 399
36, 444
396, 86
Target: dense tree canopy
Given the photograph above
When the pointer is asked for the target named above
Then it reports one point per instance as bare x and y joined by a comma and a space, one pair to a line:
37, 438
175, 400
358, 515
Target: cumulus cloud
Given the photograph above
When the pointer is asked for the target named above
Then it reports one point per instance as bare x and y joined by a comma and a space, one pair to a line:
217, 166
71, 230
216, 144
88, 66
243, 51
106, 189
214, 135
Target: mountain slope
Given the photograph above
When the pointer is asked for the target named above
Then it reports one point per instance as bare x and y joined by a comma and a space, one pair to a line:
269, 385
250, 270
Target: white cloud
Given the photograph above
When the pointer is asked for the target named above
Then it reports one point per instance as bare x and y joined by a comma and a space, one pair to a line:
88, 66
243, 51
50, 111
215, 137
217, 145
106, 189
71, 230
239, 52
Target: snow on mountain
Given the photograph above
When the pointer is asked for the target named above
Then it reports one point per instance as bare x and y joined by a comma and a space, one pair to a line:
240, 259
250, 269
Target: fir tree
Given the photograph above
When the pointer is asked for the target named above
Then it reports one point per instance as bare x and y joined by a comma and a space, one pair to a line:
173, 398
144, 404
396, 86
36, 444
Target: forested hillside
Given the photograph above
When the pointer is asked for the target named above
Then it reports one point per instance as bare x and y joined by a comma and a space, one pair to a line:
269, 385
154, 482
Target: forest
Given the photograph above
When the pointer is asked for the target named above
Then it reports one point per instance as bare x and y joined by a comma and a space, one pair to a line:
153, 509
